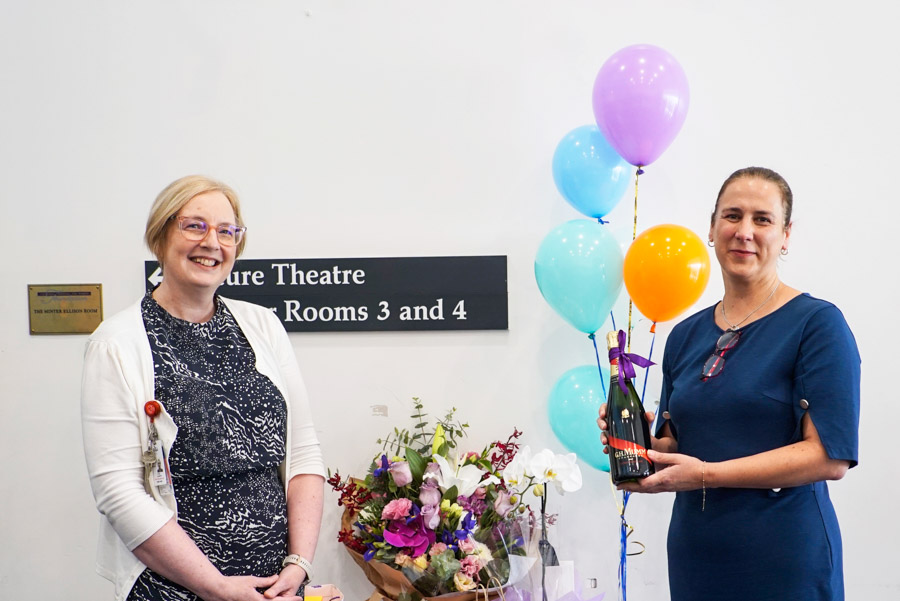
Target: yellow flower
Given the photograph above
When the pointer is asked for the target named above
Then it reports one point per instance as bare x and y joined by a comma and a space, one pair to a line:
403, 560
455, 510
463, 582
421, 562
538, 490
445, 506
438, 439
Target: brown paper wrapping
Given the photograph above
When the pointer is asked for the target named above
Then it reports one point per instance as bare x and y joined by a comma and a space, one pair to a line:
390, 583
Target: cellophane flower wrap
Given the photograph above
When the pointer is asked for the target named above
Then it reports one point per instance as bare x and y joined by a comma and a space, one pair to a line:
430, 519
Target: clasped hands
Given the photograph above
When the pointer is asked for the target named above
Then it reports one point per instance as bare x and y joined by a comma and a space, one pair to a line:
282, 586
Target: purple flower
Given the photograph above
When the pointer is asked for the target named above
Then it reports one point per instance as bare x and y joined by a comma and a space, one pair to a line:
370, 552
466, 526
429, 494
432, 471
474, 503
401, 473
385, 465
502, 504
431, 514
413, 535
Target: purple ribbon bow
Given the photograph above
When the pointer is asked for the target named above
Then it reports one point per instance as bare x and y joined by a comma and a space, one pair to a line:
627, 361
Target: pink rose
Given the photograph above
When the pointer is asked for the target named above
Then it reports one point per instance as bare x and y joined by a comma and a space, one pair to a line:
467, 546
429, 494
401, 473
396, 509
437, 549
470, 566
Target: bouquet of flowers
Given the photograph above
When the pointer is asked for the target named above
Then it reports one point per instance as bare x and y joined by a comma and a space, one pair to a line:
429, 519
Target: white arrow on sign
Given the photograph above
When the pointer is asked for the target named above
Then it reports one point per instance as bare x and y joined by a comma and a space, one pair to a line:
156, 277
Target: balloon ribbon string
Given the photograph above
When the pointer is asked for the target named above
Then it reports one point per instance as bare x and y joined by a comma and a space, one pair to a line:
650, 356
637, 175
625, 532
597, 353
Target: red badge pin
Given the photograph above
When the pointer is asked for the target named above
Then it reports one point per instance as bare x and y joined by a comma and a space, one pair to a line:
152, 409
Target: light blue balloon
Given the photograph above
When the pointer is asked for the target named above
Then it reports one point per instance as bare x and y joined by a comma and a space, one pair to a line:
572, 409
578, 269
589, 173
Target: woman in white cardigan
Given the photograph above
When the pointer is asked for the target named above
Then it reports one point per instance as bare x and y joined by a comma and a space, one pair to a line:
198, 436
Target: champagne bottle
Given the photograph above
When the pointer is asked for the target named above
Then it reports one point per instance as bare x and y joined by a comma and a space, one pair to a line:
628, 436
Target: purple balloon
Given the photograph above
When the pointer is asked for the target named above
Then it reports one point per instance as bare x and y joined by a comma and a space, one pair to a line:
641, 98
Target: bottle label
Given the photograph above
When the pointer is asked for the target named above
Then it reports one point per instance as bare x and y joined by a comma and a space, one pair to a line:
626, 449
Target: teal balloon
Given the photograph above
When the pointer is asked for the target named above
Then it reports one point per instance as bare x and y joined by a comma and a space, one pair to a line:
572, 409
589, 173
578, 269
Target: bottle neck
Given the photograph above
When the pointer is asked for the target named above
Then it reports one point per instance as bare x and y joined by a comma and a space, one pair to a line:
613, 368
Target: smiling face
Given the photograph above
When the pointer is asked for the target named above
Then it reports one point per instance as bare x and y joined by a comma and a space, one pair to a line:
748, 229
191, 267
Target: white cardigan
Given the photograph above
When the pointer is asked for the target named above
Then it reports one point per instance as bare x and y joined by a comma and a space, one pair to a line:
117, 381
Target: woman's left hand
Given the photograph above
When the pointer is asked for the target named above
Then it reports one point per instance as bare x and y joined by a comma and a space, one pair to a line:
674, 472
289, 581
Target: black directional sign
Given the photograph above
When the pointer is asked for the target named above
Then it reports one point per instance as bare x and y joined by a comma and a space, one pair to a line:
388, 294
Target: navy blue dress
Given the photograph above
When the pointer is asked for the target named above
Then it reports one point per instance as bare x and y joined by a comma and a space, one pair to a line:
231, 440
752, 544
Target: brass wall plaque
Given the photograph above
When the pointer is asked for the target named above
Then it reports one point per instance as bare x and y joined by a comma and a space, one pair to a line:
65, 309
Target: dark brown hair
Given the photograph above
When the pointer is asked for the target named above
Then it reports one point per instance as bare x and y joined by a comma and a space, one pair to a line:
787, 197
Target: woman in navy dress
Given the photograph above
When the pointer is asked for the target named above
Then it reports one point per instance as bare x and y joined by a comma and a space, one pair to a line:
759, 408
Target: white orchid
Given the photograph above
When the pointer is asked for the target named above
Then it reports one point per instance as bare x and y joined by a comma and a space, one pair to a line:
544, 467
514, 474
466, 478
565, 473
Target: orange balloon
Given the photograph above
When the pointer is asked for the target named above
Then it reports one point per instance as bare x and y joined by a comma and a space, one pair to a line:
666, 270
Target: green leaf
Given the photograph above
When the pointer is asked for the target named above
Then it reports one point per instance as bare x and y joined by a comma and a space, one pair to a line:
417, 464
451, 494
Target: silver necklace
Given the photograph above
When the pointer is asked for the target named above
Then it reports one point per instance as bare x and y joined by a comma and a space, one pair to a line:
733, 327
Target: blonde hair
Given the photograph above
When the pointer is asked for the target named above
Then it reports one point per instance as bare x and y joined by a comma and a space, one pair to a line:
173, 198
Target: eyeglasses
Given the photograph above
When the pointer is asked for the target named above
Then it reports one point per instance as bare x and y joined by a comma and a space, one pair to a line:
197, 229
716, 362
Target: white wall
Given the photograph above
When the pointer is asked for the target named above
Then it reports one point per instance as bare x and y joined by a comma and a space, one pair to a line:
409, 128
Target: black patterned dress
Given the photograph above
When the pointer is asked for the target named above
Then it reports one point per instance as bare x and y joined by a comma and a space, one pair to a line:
231, 439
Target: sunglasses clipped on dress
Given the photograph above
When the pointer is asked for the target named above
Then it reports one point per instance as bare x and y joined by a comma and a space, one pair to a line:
716, 362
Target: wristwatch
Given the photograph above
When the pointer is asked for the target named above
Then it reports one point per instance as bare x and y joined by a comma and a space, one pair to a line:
297, 560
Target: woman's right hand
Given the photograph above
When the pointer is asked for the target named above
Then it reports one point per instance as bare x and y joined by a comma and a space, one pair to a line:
604, 426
